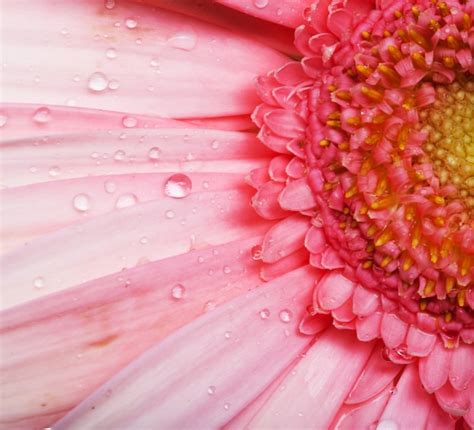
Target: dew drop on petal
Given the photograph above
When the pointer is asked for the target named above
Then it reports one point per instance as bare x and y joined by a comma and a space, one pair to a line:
154, 153
3, 120
119, 155
97, 82
227, 334
264, 314
38, 282
113, 85
226, 406
185, 40
215, 144
285, 315
256, 252
387, 425
177, 292
111, 53
260, 4
227, 270
109, 4
126, 200
211, 390
178, 186
54, 171
81, 202
131, 23
170, 214
144, 240
110, 187
129, 122
42, 115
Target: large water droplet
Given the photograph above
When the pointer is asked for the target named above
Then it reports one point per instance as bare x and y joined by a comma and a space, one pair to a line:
97, 82
42, 115
38, 282
178, 186
264, 314
177, 292
185, 40
154, 153
126, 200
260, 4
129, 122
131, 23
81, 202
286, 315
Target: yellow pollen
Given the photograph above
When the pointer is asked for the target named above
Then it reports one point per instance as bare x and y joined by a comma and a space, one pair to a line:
452, 42
390, 73
419, 39
407, 263
364, 70
418, 60
372, 230
448, 316
384, 238
449, 284
461, 298
324, 142
332, 88
395, 53
385, 261
344, 95
423, 304
429, 287
397, 14
449, 62
415, 10
367, 264
351, 192
434, 254
365, 35
371, 93
439, 221
353, 121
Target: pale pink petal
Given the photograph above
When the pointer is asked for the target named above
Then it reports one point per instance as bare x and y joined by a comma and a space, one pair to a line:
290, 262
53, 202
88, 333
32, 160
377, 375
113, 241
228, 347
284, 238
297, 196
316, 388
364, 301
434, 369
182, 67
454, 402
393, 330
419, 343
265, 201
333, 290
285, 12
462, 367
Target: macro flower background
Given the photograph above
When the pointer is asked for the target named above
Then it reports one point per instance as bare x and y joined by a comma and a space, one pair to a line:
237, 214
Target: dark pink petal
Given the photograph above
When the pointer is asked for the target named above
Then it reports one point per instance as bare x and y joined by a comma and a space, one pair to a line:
228, 347
88, 333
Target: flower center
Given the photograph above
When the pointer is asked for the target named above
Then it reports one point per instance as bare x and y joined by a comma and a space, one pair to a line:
450, 142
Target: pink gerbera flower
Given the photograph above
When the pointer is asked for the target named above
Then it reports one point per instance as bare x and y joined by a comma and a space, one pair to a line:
145, 287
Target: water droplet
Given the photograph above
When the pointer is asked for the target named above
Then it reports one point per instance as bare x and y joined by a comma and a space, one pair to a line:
264, 314
109, 4
131, 23
185, 40
227, 270
170, 214
154, 62
64, 32
81, 202
387, 425
227, 334
260, 4
256, 252
3, 120
113, 85
42, 115
205, 185
54, 171
211, 390
178, 186
119, 155
38, 282
110, 187
144, 240
97, 82
111, 53
279, 12
154, 153
209, 306
285, 315
126, 200
129, 122
215, 144
177, 292
226, 406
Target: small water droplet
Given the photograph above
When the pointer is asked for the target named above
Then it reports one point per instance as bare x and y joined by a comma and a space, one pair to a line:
387, 425
144, 240
119, 155
185, 40
129, 122
109, 4
113, 85
3, 120
227, 334
211, 390
260, 4
226, 406
42, 115
178, 186
285, 315
126, 200
205, 185
177, 292
264, 314
111, 53
81, 202
170, 214
256, 252
54, 171
131, 23
38, 282
154, 153
279, 12
209, 306
215, 144
97, 82
227, 270
110, 187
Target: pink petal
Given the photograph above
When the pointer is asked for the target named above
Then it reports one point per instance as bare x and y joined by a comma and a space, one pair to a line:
113, 241
365, 301
318, 385
265, 202
297, 196
289, 13
284, 238
462, 367
434, 369
368, 328
286, 264
419, 343
236, 355
454, 402
182, 67
377, 375
285, 123
334, 290
87, 334
393, 330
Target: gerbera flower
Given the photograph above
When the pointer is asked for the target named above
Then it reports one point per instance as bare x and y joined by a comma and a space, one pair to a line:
145, 284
